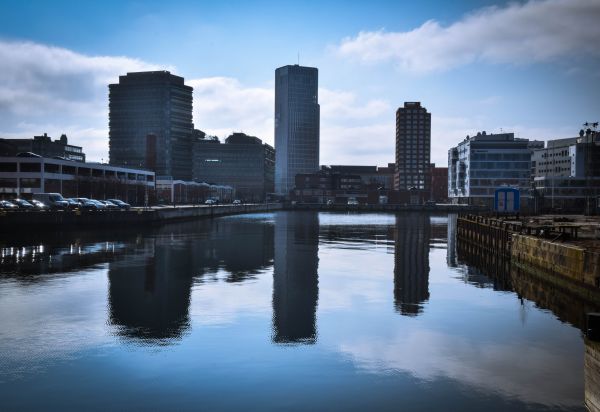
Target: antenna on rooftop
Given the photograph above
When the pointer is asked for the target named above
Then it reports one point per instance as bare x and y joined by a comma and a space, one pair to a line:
298, 58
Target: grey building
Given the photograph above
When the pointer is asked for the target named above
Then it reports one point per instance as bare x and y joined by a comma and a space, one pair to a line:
566, 174
44, 146
413, 147
297, 118
481, 164
243, 162
150, 123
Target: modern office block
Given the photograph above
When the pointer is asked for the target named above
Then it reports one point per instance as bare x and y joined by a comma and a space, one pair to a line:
243, 162
413, 148
481, 164
297, 117
566, 174
156, 104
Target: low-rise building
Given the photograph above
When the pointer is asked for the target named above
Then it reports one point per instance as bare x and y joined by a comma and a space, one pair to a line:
171, 191
379, 177
327, 186
242, 162
480, 164
23, 176
43, 146
566, 174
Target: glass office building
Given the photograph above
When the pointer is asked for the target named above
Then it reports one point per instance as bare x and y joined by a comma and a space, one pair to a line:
481, 164
297, 117
150, 123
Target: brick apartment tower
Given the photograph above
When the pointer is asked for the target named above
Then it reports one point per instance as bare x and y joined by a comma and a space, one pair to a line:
413, 148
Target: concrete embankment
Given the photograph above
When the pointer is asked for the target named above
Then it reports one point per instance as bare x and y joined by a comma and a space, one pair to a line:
573, 266
340, 207
11, 221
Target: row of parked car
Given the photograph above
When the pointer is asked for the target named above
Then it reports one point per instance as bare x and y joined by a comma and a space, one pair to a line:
55, 201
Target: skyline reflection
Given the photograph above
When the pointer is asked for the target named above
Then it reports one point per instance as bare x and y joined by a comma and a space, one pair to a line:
322, 301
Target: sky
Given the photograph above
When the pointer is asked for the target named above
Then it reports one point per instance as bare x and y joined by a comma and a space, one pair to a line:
528, 67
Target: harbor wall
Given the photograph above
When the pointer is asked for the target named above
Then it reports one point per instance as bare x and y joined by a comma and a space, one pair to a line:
12, 221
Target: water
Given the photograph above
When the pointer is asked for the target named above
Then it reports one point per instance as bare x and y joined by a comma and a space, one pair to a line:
283, 311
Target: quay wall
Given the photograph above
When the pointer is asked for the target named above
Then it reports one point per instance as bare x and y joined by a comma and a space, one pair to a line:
498, 245
339, 207
13, 221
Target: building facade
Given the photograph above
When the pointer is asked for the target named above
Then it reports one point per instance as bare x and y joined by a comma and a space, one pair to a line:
23, 176
297, 122
377, 177
43, 146
329, 186
150, 123
243, 162
566, 174
439, 184
413, 147
481, 164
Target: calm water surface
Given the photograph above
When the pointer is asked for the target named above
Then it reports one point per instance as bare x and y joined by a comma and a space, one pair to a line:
283, 311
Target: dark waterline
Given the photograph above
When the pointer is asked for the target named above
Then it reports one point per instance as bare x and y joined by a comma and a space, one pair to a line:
289, 310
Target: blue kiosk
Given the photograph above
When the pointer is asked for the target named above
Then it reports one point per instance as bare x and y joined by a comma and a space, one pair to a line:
507, 200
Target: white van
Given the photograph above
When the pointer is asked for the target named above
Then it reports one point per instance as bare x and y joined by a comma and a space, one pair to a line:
52, 200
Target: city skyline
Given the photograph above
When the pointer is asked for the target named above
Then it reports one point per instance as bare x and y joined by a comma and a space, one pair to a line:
467, 63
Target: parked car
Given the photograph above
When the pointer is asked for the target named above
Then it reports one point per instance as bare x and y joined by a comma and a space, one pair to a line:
237, 202
22, 204
109, 205
99, 204
352, 201
54, 201
210, 202
120, 203
27, 154
39, 205
86, 204
5, 204
73, 203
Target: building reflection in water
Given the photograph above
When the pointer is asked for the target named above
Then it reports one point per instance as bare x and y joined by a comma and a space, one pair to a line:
150, 289
149, 292
451, 259
411, 262
295, 277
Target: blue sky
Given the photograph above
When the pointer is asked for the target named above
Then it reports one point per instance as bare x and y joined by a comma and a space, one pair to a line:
527, 67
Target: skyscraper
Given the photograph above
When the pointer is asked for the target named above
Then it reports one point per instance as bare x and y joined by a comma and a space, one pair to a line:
151, 110
413, 147
297, 116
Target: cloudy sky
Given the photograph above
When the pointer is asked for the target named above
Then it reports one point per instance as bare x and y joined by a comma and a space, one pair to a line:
532, 67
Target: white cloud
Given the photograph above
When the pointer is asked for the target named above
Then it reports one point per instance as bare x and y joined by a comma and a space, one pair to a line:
536, 31
56, 90
223, 105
